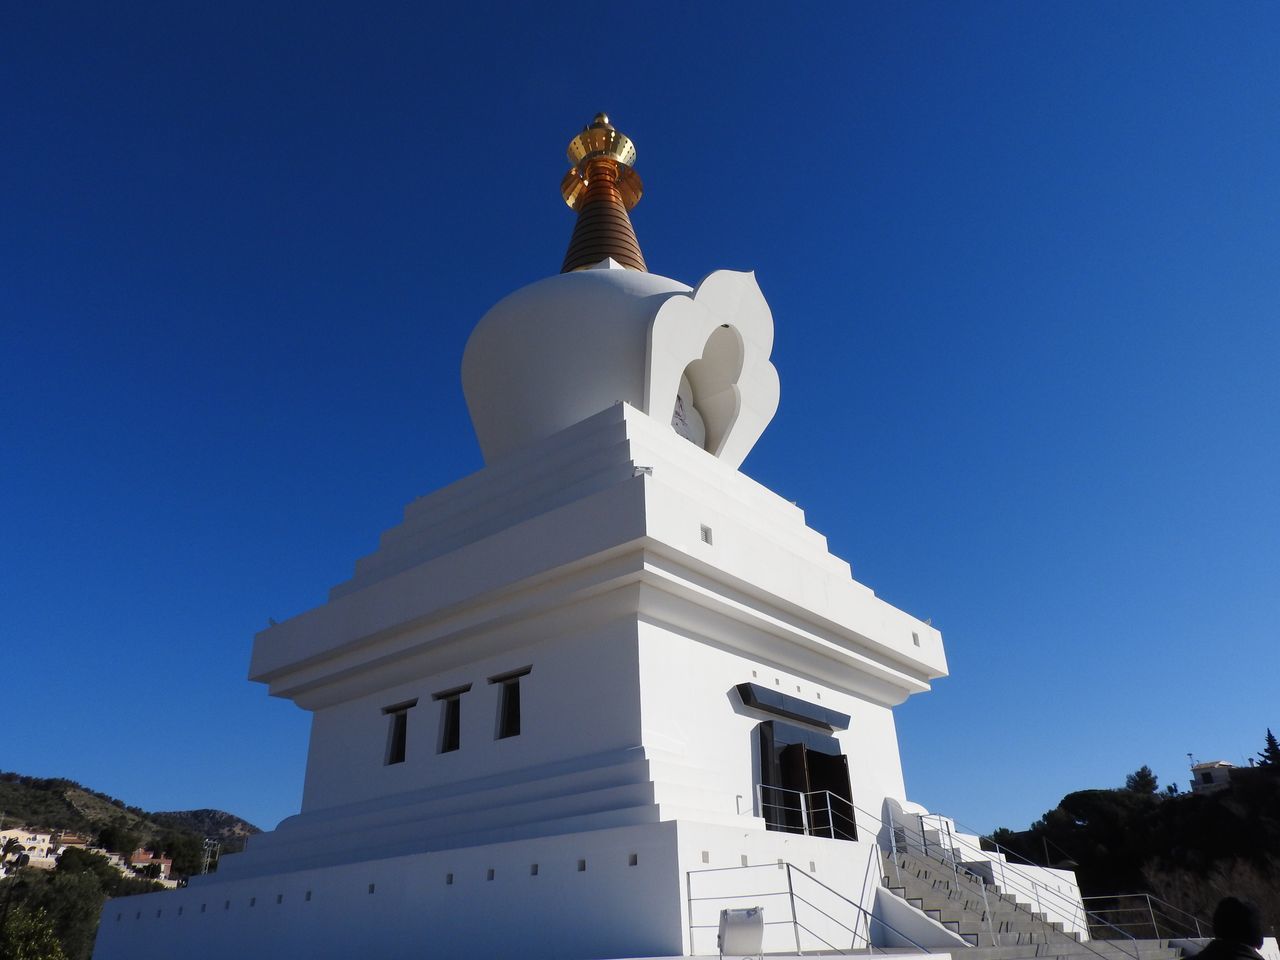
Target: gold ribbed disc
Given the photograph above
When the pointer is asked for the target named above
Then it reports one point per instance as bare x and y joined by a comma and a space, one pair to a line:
603, 141
573, 186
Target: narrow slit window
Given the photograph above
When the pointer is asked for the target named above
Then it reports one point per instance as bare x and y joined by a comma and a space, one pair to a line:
398, 731
450, 718
509, 702
451, 725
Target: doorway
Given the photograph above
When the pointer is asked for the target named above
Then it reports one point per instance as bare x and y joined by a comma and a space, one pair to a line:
805, 782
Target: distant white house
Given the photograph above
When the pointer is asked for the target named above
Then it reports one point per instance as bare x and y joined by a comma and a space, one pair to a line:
42, 849
141, 859
1211, 776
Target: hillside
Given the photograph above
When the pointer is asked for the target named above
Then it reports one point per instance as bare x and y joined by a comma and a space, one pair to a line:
1187, 849
61, 804
219, 824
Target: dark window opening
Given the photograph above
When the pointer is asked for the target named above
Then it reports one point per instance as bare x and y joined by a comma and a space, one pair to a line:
509, 710
399, 729
509, 702
451, 718
805, 782
398, 734
450, 725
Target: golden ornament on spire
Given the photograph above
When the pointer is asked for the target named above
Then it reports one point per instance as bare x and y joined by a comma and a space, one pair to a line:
602, 186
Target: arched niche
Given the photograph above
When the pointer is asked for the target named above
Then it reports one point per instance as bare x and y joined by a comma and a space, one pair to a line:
708, 401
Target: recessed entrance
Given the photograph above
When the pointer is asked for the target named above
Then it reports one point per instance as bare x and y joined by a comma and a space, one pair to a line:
804, 782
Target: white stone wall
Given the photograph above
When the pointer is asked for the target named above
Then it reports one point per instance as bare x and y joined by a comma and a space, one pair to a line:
695, 724
587, 899
624, 892
579, 699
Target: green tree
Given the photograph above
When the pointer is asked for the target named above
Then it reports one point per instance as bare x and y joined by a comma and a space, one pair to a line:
12, 848
29, 935
1270, 755
1000, 837
75, 860
128, 886
116, 838
73, 903
184, 848
1141, 780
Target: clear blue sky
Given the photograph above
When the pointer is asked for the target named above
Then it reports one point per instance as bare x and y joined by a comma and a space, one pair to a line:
1023, 261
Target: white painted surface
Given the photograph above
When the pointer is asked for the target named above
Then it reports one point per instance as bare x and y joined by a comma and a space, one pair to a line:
608, 909
564, 348
902, 925
634, 630
701, 740
637, 577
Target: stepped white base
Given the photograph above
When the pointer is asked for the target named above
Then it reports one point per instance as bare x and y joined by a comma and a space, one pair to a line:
619, 892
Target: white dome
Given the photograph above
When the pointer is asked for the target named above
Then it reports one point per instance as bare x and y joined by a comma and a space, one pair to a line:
564, 348
559, 350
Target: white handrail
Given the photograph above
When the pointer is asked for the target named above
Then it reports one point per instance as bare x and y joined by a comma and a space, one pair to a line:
861, 928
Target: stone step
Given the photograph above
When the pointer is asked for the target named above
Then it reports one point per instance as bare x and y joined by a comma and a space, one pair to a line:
960, 899
1067, 950
957, 905
1018, 927
912, 872
1025, 938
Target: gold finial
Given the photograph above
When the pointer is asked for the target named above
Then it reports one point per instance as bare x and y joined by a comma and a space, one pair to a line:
602, 186
600, 139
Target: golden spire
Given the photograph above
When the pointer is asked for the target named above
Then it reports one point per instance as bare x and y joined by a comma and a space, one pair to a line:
602, 187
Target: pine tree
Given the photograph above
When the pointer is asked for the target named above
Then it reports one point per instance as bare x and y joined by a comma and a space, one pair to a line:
1141, 780
29, 935
1270, 755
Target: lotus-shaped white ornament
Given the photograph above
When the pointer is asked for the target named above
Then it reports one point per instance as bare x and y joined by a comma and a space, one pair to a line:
566, 347
707, 365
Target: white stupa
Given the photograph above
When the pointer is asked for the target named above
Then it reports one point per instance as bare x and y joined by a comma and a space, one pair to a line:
581, 701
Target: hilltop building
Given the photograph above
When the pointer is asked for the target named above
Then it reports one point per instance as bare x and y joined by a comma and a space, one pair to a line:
581, 701
1211, 776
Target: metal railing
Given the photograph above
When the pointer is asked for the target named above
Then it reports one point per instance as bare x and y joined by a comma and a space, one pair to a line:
1129, 912
1143, 912
803, 914
824, 814
950, 849
817, 813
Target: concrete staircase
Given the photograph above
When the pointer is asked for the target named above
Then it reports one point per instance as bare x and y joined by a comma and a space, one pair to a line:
1015, 931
